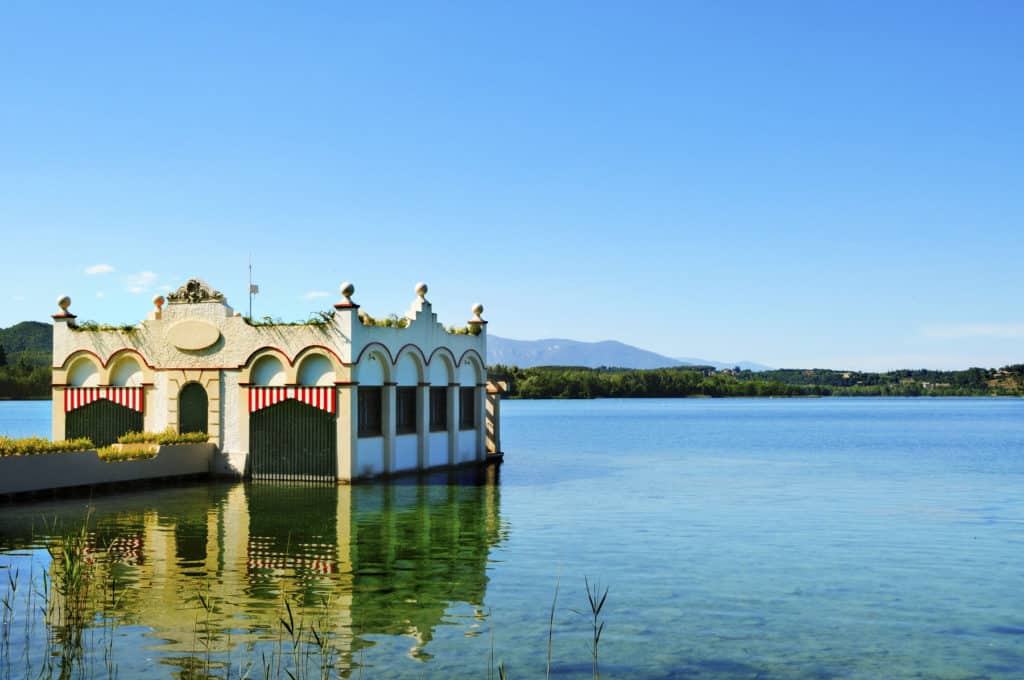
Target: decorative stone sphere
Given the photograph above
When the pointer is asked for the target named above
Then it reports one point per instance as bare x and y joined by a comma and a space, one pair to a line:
158, 301
421, 289
64, 302
347, 289
478, 309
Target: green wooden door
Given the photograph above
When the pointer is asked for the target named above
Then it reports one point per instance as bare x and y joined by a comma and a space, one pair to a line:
101, 421
293, 441
192, 409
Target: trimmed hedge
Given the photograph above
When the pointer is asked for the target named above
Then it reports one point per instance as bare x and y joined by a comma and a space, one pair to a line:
35, 446
165, 438
116, 452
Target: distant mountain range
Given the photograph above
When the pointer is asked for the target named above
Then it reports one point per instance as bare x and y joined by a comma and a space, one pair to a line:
563, 352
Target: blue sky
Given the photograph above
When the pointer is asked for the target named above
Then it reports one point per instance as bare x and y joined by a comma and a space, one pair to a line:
799, 184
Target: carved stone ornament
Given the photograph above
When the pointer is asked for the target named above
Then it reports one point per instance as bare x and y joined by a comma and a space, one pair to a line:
196, 290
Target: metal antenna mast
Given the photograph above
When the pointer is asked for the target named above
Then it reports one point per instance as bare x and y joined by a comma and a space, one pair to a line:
253, 289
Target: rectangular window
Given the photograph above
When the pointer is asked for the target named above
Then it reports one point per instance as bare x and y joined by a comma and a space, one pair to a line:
438, 409
405, 410
370, 412
467, 408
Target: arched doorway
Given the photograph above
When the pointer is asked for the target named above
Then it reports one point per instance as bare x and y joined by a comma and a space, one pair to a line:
192, 409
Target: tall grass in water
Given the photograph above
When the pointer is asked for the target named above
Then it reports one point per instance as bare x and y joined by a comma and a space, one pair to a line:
72, 582
551, 630
596, 600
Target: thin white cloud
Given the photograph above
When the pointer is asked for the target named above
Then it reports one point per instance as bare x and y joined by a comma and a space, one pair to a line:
99, 269
315, 294
974, 330
100, 293
19, 298
140, 282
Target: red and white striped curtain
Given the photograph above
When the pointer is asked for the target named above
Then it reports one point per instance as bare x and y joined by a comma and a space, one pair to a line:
318, 397
77, 397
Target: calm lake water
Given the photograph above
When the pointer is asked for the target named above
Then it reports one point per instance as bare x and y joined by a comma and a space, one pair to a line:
872, 538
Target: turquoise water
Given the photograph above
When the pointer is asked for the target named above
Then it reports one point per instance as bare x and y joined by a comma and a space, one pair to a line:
25, 418
739, 538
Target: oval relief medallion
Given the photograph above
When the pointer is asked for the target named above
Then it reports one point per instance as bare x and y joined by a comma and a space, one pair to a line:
193, 334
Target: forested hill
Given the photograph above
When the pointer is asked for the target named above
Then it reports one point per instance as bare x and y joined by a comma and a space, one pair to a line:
577, 382
25, 352
28, 336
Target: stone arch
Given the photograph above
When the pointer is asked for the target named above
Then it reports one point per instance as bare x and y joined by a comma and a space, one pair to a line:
84, 371
471, 372
268, 370
441, 367
316, 368
126, 371
410, 366
373, 367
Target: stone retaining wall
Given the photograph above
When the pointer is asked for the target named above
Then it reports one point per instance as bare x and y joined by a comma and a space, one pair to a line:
21, 474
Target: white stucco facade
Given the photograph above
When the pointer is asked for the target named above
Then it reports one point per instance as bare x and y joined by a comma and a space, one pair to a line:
245, 368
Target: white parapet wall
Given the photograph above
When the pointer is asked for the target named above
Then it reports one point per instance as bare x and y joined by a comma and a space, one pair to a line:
22, 474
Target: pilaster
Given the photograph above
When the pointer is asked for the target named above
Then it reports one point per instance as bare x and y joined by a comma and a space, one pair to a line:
388, 425
348, 419
453, 422
422, 425
480, 417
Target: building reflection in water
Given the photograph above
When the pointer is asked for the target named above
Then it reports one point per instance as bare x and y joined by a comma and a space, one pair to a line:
386, 558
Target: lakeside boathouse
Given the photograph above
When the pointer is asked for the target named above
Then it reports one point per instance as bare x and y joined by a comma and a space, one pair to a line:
339, 397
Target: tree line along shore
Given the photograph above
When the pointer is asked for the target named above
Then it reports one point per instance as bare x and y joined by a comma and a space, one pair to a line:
573, 382
25, 359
